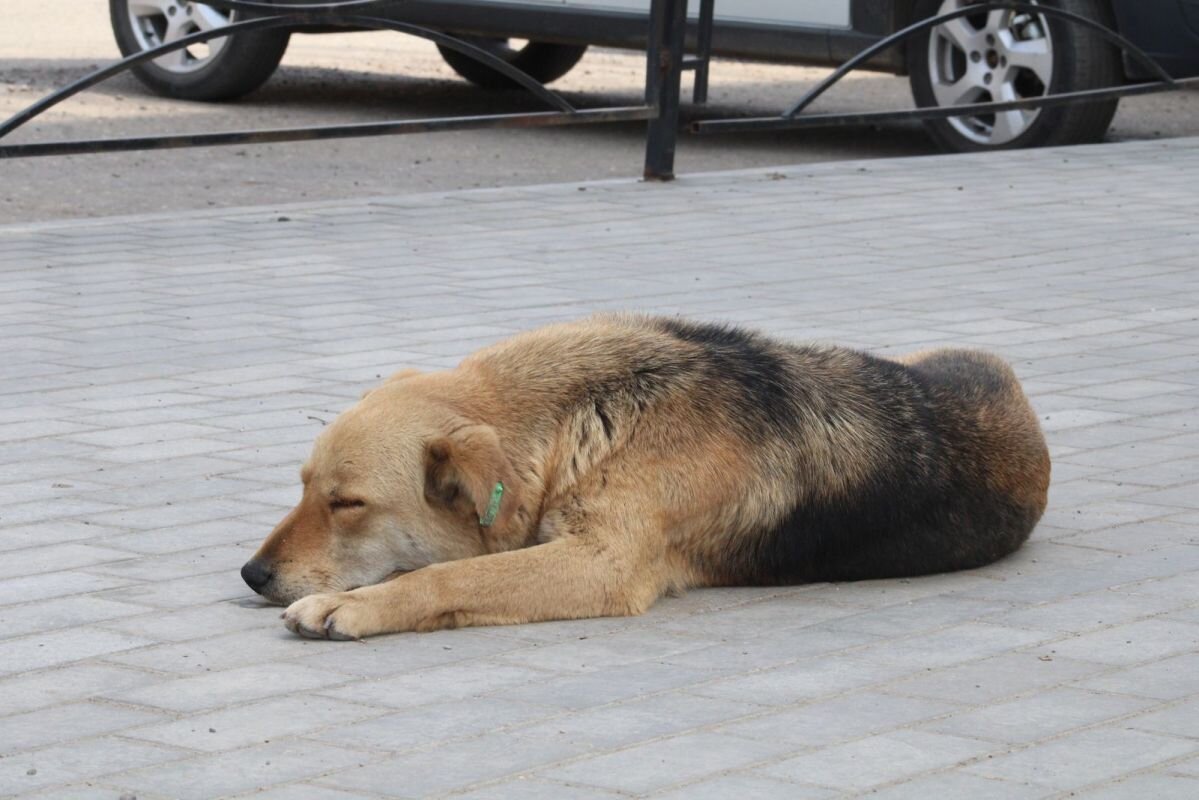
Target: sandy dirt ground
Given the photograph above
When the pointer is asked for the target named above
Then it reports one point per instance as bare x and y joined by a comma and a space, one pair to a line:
358, 77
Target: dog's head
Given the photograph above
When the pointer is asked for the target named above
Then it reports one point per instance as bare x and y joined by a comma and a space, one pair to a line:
397, 482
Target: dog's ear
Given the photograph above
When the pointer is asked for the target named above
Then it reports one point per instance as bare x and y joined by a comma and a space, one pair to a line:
393, 378
468, 470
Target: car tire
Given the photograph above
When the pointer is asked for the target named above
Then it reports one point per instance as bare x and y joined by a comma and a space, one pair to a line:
545, 62
1002, 55
227, 68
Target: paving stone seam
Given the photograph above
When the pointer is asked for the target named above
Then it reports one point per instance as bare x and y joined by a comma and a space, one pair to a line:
1147, 770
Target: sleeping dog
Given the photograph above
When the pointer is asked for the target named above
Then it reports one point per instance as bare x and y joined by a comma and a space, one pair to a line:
585, 469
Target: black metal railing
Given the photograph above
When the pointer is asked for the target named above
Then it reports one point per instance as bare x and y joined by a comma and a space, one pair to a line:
667, 22
665, 62
792, 118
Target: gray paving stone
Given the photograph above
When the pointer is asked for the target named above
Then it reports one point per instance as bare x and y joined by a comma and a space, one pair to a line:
1096, 516
1091, 611
242, 770
87, 791
42, 650
876, 760
1187, 767
1039, 716
1178, 585
168, 566
161, 480
1085, 758
966, 642
850, 716
66, 723
928, 613
953, 784
1164, 472
803, 680
438, 684
602, 652
46, 533
48, 491
427, 725
526, 788
70, 762
225, 651
608, 686
1137, 538
764, 645
52, 687
744, 784
1188, 615
657, 765
303, 791
1097, 571
66, 508
1181, 720
18, 620
1132, 643
53, 558
167, 514
385, 656
873, 594
243, 725
174, 594
1159, 787
635, 721
481, 760
189, 623
170, 407
157, 451
218, 689
142, 434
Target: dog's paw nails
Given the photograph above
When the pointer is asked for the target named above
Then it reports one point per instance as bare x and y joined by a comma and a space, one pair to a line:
325, 616
298, 626
332, 631
306, 617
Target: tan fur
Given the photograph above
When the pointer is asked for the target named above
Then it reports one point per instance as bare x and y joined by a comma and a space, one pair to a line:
603, 510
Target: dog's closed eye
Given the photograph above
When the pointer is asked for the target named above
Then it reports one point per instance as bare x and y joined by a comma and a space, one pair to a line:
341, 503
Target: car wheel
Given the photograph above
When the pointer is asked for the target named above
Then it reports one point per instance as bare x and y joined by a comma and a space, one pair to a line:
543, 61
994, 56
219, 69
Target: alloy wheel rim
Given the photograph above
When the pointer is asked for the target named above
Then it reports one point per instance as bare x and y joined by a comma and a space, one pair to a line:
992, 56
158, 22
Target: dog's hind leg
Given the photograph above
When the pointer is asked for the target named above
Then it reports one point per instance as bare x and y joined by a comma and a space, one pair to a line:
609, 570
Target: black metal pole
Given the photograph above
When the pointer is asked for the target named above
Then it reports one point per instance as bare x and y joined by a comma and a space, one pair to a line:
664, 69
703, 51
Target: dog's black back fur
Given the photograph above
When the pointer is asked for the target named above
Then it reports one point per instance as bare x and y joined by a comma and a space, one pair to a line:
931, 498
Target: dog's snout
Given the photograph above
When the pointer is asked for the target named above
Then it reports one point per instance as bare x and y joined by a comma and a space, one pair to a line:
256, 573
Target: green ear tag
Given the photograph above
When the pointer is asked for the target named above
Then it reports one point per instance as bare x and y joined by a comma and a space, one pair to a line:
493, 508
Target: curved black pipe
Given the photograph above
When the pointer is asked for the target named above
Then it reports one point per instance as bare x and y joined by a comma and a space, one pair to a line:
840, 120
501, 66
532, 119
932, 22
104, 73
281, 21
258, 5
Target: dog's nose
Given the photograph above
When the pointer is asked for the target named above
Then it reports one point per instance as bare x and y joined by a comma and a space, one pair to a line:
256, 573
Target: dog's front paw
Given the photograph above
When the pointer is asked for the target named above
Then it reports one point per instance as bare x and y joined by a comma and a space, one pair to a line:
328, 616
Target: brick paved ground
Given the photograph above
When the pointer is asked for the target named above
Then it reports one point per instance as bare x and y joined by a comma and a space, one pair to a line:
162, 377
